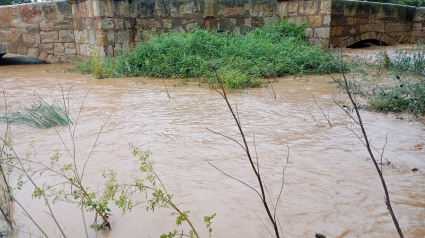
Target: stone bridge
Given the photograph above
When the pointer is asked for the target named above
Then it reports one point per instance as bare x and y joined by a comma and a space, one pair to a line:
62, 31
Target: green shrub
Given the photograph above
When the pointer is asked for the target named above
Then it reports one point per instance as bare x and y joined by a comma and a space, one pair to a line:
269, 51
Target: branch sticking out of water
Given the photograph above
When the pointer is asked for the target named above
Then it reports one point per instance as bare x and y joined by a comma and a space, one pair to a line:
365, 139
272, 217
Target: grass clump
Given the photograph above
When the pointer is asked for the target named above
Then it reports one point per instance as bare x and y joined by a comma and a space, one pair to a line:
265, 52
39, 114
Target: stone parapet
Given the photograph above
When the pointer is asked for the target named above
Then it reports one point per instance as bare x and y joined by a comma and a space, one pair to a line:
64, 30
36, 29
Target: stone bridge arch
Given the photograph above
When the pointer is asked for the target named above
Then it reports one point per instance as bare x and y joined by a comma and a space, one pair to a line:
388, 24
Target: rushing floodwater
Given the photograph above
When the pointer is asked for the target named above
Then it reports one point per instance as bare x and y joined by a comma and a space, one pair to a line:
331, 185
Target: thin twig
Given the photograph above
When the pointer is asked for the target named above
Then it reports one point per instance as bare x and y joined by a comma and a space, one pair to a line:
166, 89
322, 111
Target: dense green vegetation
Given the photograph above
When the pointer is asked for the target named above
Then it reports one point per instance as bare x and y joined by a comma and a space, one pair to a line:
417, 3
10, 2
265, 52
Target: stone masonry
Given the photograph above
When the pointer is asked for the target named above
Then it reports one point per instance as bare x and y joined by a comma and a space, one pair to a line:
65, 30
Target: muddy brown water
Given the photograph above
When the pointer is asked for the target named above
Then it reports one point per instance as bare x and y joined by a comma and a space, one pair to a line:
331, 185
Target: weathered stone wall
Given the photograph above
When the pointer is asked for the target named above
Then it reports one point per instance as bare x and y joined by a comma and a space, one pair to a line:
107, 26
315, 13
354, 21
61, 31
40, 30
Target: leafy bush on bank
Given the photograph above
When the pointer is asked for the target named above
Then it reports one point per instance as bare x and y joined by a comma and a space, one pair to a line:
266, 52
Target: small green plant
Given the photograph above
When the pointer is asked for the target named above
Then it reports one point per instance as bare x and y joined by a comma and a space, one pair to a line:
40, 114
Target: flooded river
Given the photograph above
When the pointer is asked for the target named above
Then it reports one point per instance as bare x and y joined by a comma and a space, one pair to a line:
331, 185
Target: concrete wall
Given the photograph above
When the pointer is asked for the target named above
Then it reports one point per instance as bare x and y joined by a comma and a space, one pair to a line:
354, 21
40, 30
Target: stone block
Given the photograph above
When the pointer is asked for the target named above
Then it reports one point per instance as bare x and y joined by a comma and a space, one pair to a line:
336, 30
365, 36
49, 10
309, 32
293, 8
22, 50
282, 7
64, 10
417, 33
153, 23
111, 37
308, 7
11, 35
117, 49
51, 25
325, 7
66, 36
32, 37
378, 27
9, 16
69, 45
49, 36
365, 28
101, 37
122, 36
118, 23
298, 20
43, 55
59, 48
52, 59
352, 30
417, 26
110, 51
322, 32
315, 20
46, 46
326, 20
35, 27
121, 9
106, 23
32, 52
70, 51
83, 49
394, 26
77, 36
91, 36
351, 21
30, 13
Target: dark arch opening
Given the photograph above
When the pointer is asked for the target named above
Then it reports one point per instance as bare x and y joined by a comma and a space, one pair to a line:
367, 43
12, 59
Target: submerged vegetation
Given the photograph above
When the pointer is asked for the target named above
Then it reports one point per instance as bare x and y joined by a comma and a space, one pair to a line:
39, 114
269, 51
405, 94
